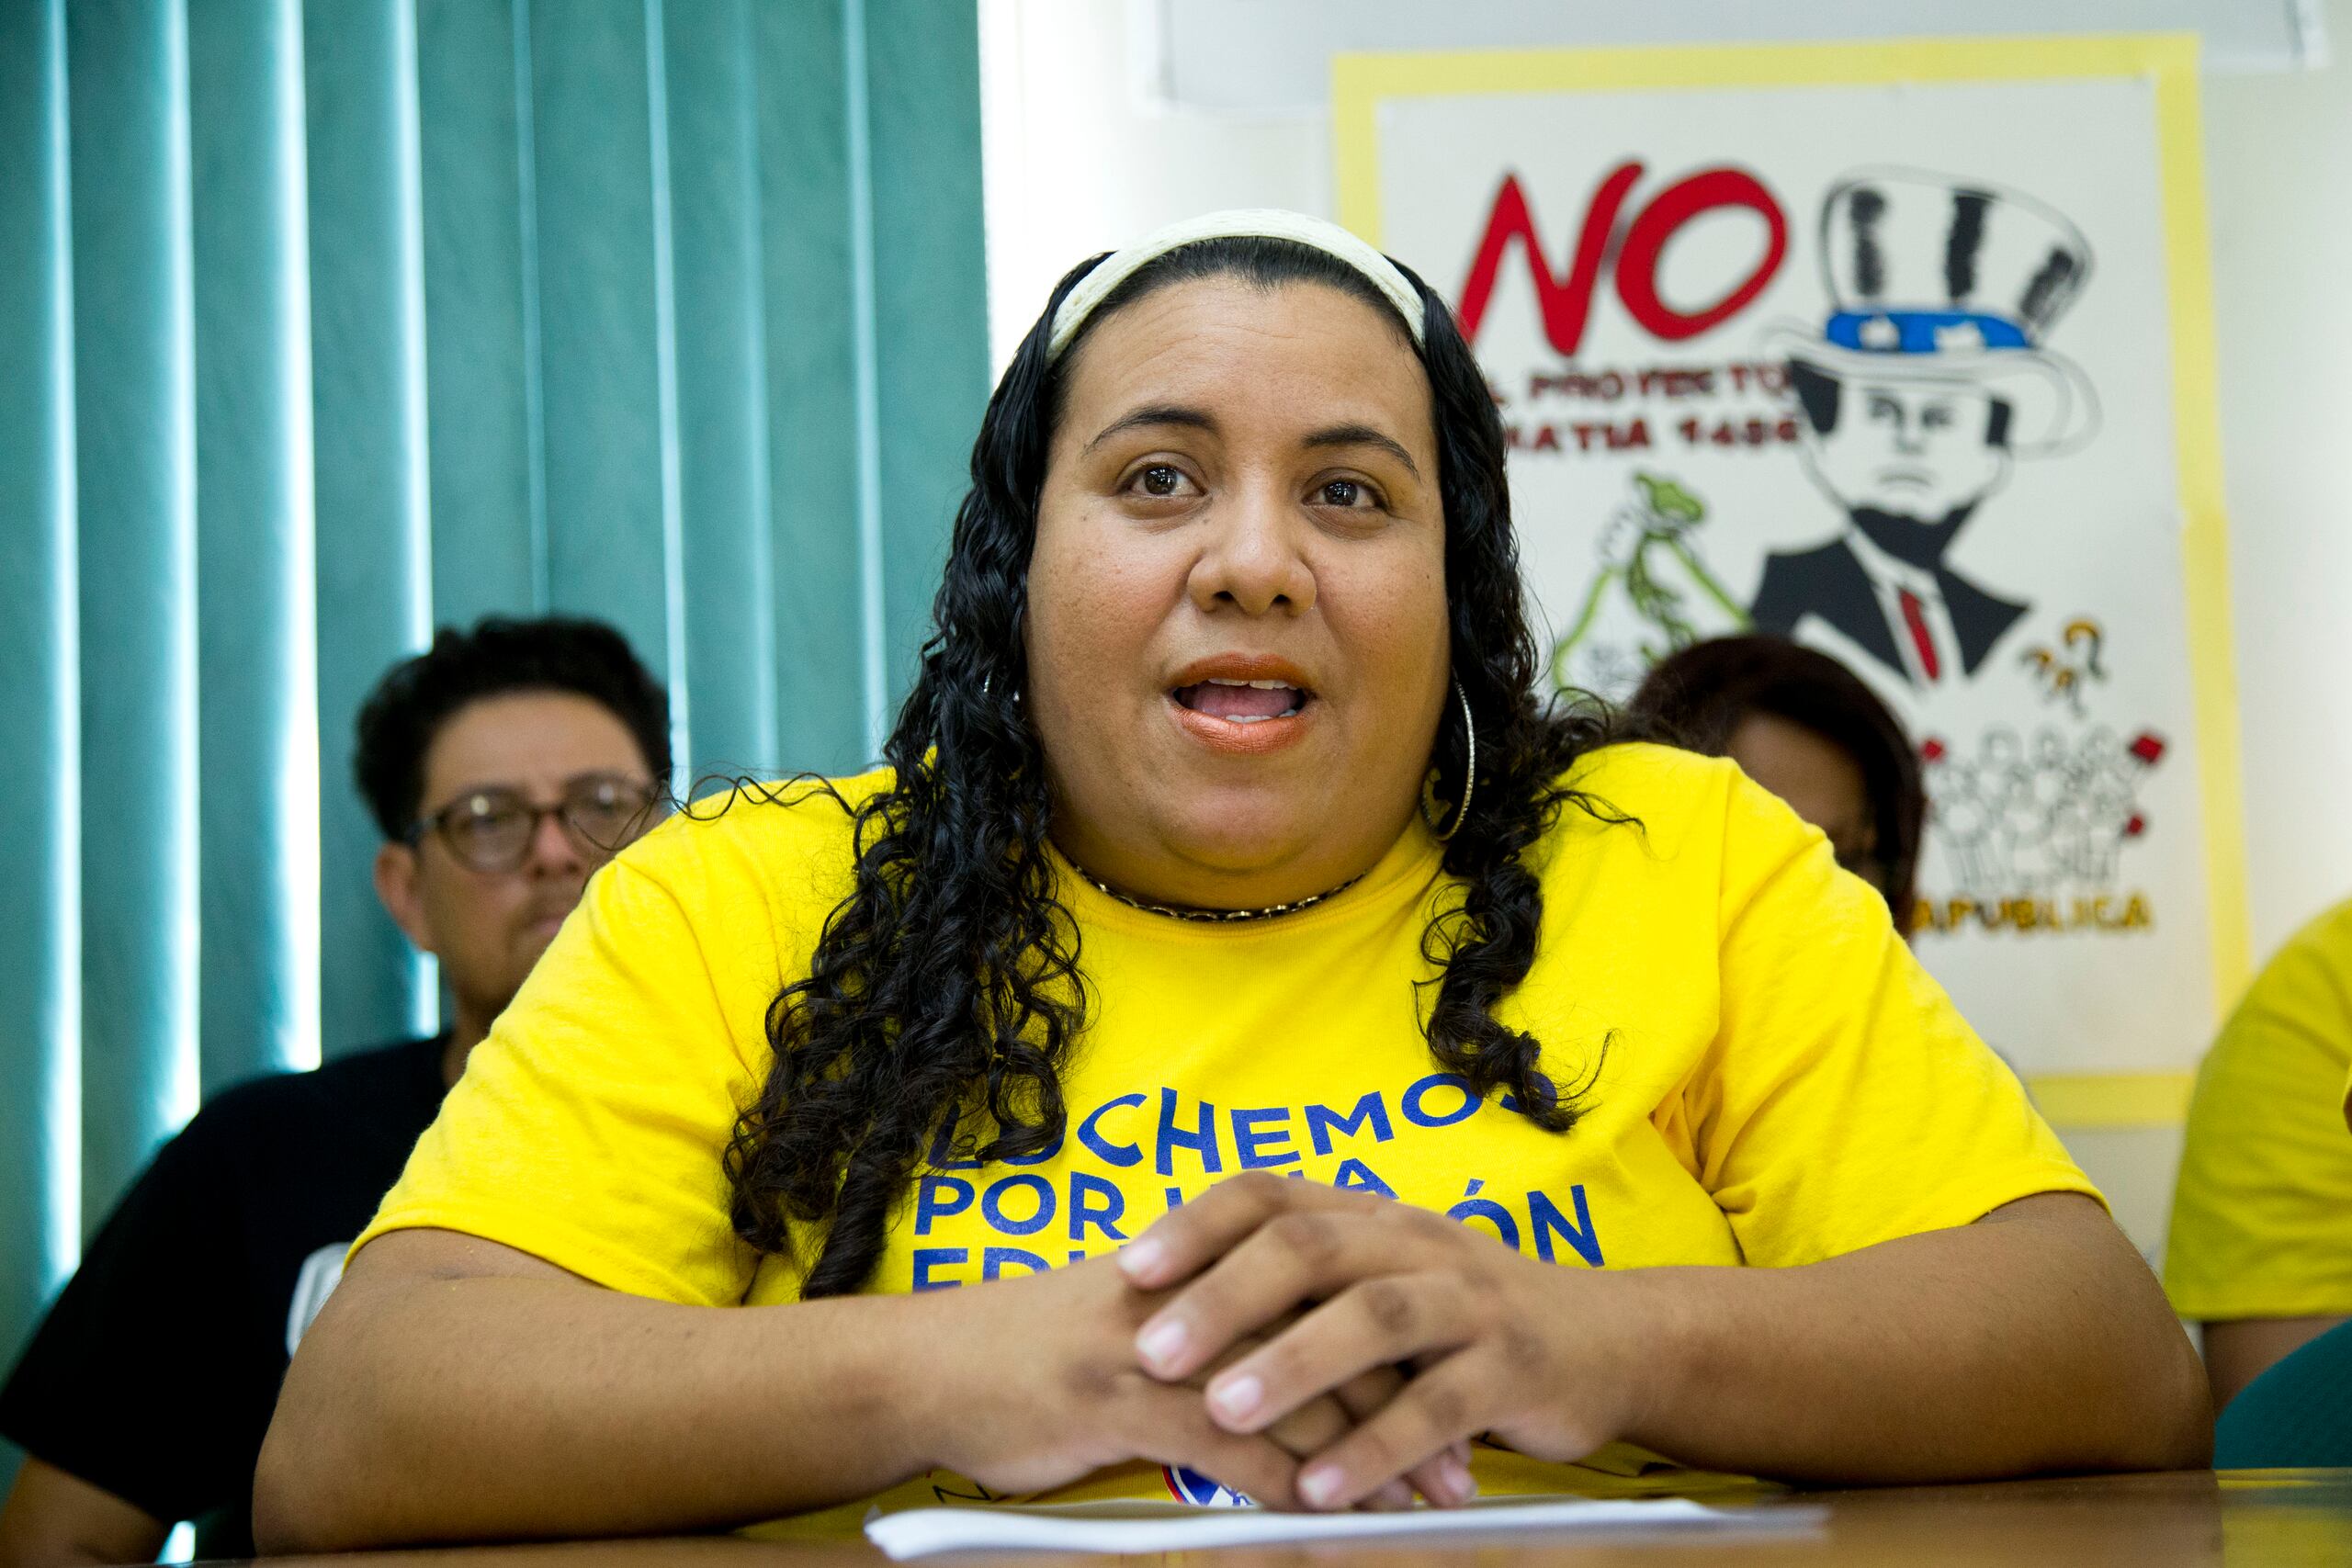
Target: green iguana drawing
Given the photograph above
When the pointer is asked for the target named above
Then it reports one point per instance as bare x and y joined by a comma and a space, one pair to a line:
1646, 540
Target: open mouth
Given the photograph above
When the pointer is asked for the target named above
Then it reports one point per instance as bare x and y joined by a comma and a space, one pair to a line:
1243, 701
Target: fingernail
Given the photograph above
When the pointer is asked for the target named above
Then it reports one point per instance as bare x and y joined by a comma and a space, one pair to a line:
1457, 1478
1160, 1343
1320, 1485
1139, 1259
1236, 1398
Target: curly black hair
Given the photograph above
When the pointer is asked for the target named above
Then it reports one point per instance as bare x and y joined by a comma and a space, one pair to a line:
494, 658
946, 990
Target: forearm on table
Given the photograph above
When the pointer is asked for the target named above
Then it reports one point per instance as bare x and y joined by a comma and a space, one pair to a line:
2032, 1342
2239, 1350
499, 1407
54, 1519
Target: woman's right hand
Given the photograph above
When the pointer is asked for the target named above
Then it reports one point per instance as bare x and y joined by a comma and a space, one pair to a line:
1040, 1387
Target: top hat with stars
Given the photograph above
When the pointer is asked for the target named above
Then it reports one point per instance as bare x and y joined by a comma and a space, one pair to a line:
1935, 278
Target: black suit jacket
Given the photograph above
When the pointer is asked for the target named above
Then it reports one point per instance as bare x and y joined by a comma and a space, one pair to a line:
1830, 581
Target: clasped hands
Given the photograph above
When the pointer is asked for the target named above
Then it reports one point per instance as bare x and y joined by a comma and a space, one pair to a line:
1313, 1348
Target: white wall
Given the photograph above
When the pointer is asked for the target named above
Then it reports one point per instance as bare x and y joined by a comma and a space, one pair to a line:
2278, 175
1076, 165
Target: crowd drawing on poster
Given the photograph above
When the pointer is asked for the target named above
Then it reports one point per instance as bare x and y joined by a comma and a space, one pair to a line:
1928, 379
2042, 816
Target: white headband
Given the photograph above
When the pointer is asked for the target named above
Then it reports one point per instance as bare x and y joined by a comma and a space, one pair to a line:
1265, 222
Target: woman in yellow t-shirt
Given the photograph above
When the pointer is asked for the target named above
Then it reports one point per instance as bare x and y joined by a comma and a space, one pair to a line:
2260, 1251
1243, 1044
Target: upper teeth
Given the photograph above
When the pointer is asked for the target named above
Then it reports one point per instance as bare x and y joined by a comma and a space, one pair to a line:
1259, 685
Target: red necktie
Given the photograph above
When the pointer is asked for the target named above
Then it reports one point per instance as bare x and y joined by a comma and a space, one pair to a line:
1915, 616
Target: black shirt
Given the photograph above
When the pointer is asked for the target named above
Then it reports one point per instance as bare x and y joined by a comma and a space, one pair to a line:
155, 1372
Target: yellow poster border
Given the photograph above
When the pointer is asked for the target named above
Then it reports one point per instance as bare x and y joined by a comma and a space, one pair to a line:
1362, 83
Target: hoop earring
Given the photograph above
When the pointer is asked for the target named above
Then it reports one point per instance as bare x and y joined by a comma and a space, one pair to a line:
1430, 813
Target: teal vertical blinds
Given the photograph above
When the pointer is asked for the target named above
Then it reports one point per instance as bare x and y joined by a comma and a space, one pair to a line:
325, 324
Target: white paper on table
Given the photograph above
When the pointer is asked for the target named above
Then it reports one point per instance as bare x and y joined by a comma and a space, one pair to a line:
1142, 1527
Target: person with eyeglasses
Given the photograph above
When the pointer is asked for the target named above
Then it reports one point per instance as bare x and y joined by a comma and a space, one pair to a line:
505, 765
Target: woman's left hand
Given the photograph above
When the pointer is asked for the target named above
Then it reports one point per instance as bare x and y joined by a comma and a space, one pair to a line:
1540, 1355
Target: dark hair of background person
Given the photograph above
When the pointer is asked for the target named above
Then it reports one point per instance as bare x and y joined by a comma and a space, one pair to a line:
1695, 698
497, 657
946, 985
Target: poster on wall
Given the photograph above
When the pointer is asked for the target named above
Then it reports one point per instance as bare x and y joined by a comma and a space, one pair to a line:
1902, 351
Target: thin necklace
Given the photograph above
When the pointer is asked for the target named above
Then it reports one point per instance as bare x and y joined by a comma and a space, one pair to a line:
1213, 916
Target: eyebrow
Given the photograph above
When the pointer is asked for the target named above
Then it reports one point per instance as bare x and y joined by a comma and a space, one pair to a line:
1153, 414
1364, 435
509, 787
1158, 415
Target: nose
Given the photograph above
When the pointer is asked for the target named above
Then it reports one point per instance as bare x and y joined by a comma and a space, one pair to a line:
1251, 556
552, 851
1910, 437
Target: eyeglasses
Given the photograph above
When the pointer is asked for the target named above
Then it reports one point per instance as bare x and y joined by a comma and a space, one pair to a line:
492, 829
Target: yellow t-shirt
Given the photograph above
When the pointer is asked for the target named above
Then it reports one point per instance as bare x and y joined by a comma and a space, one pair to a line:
2262, 1218
1781, 1082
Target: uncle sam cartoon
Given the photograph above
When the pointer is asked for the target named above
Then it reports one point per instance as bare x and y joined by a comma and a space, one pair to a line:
1927, 383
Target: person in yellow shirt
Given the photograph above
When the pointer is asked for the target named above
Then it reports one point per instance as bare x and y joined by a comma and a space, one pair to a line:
2260, 1252
1243, 1046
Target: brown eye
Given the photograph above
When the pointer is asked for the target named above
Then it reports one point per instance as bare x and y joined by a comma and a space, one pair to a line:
487, 825
1346, 494
1160, 479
